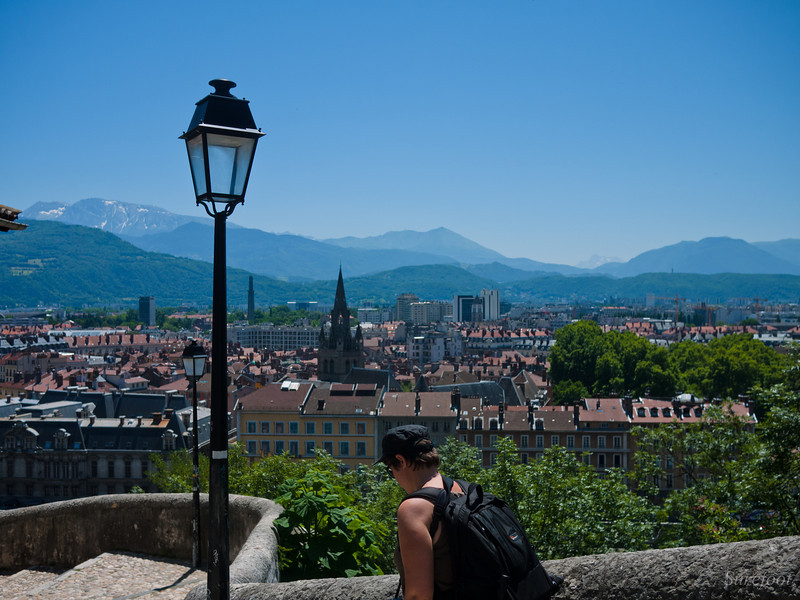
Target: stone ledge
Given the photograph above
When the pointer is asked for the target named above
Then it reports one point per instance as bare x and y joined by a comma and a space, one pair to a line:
754, 570
68, 533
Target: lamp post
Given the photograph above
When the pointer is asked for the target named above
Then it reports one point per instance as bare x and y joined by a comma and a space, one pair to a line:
194, 362
221, 142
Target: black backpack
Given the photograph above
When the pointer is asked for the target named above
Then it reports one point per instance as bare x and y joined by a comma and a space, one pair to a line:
492, 558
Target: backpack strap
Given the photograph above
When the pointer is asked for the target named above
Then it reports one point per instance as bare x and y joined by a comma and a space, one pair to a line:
439, 498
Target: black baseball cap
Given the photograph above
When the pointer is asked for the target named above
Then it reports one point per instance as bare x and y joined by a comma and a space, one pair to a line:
402, 440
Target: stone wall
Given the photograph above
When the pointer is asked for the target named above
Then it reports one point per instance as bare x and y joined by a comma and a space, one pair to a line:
756, 570
65, 534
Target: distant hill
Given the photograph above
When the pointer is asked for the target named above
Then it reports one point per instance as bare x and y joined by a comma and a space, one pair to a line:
442, 241
788, 250
708, 256
51, 263
120, 218
296, 258
290, 257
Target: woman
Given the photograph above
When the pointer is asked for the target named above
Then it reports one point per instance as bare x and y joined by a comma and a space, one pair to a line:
423, 557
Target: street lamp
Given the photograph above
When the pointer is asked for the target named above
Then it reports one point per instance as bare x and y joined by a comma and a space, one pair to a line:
221, 142
194, 363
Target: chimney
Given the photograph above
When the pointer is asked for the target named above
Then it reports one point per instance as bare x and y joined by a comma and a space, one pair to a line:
627, 405
139, 421
168, 413
530, 416
91, 419
156, 418
417, 405
576, 413
121, 420
455, 400
501, 412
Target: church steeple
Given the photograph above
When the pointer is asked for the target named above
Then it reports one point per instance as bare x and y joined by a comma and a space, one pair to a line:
339, 351
340, 303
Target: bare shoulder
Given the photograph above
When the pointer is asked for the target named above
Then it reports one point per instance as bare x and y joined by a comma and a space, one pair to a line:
414, 509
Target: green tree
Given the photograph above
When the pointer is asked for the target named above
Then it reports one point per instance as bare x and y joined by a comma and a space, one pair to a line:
574, 356
717, 458
322, 531
568, 509
460, 460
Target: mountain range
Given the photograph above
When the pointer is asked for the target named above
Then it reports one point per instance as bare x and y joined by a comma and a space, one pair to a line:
52, 263
297, 258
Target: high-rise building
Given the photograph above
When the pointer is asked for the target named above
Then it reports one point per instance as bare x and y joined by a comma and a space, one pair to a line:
491, 304
147, 310
462, 308
404, 302
251, 303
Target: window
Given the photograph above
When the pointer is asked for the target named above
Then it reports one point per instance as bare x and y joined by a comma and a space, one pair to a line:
554, 441
462, 424
617, 442
279, 447
344, 448
110, 468
327, 428
264, 426
601, 461
264, 447
493, 441
279, 427
310, 448
294, 448
540, 441
523, 441
477, 423
128, 469
601, 441
344, 428
653, 412
586, 441
669, 464
640, 412
328, 447
617, 461
361, 428
669, 481
294, 427
311, 428
494, 424
523, 458
361, 449
539, 425
479, 441
94, 468
570, 441
667, 412
435, 426
251, 447
251, 427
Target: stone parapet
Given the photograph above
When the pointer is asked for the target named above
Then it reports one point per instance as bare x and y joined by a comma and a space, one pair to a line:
65, 534
754, 570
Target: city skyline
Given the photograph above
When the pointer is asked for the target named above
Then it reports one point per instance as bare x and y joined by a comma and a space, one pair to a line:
550, 131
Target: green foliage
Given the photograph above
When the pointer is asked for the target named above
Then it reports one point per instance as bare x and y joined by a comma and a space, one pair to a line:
568, 509
323, 533
587, 361
726, 367
460, 460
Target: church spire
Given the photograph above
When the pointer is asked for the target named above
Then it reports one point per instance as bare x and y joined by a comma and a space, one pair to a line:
340, 302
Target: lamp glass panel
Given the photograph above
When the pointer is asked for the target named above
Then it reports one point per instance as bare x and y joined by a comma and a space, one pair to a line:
195, 147
229, 161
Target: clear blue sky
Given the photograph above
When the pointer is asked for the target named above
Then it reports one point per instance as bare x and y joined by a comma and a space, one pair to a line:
552, 130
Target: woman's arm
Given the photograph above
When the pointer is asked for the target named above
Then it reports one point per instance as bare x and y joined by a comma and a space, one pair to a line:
414, 518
